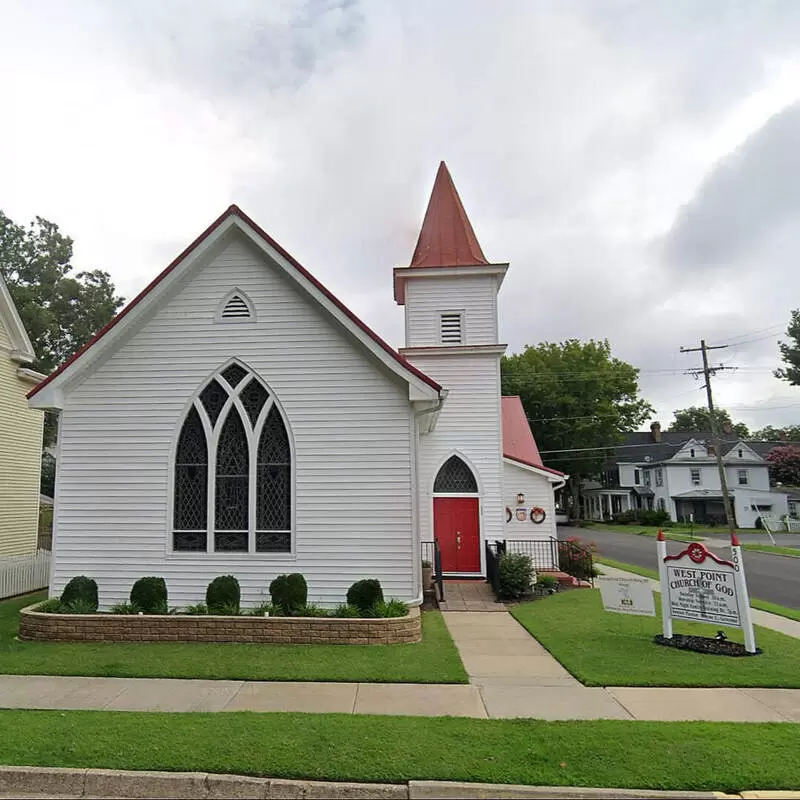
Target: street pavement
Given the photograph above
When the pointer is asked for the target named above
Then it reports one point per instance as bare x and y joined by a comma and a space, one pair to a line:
769, 577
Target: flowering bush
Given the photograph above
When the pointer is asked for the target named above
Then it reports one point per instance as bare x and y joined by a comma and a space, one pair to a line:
784, 465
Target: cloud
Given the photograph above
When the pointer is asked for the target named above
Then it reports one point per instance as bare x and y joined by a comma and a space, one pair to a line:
749, 195
584, 137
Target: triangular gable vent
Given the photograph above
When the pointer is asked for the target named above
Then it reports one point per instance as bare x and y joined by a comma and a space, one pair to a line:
236, 308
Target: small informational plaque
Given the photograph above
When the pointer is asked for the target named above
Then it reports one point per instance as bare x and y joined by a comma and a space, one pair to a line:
627, 596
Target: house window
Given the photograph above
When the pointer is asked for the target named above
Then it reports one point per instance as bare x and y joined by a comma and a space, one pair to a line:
659, 476
744, 477
662, 504
450, 327
696, 476
637, 477
648, 478
691, 452
455, 477
741, 454
233, 449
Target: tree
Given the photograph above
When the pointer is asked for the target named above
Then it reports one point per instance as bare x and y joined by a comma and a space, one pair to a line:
771, 434
696, 418
61, 312
790, 352
784, 465
578, 398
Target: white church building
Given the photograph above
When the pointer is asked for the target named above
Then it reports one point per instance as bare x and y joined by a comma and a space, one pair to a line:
237, 418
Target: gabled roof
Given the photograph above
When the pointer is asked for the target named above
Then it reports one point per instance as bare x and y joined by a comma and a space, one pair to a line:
446, 238
11, 321
518, 442
639, 446
235, 217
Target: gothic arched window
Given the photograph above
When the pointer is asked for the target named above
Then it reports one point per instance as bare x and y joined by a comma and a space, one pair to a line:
233, 470
455, 477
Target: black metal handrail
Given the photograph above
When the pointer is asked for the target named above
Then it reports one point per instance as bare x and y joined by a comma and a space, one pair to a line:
433, 555
575, 560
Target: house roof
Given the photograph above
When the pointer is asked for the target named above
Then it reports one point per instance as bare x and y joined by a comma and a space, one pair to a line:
446, 238
231, 216
518, 442
640, 447
12, 322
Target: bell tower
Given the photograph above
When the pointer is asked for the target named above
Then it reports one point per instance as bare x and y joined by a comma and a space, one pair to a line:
449, 291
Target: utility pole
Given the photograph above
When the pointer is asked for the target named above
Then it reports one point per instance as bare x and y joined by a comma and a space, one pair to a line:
707, 372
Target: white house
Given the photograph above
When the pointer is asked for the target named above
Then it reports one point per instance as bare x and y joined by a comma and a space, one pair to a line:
678, 473
237, 418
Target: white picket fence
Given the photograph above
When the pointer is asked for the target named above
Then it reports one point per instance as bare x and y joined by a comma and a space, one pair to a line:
21, 574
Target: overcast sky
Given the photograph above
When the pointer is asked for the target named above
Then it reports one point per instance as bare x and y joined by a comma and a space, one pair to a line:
638, 163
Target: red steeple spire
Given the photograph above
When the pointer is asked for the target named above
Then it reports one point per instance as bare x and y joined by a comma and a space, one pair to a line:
446, 238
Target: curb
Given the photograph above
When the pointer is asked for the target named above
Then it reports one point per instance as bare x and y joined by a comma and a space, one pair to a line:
109, 783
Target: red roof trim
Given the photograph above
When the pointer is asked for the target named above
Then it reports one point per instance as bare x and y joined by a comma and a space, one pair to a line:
536, 466
235, 211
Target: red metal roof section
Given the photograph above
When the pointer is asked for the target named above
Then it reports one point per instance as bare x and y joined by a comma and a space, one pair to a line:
235, 211
446, 238
518, 442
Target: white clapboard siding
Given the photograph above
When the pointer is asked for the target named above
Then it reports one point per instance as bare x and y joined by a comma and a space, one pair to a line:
21, 574
469, 424
349, 418
473, 296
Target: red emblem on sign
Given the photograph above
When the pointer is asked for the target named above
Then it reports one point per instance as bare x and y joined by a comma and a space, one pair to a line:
696, 552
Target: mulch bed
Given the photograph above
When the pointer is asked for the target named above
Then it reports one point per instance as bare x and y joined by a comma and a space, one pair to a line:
705, 644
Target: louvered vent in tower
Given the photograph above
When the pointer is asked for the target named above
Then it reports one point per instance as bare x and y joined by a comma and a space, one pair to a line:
236, 308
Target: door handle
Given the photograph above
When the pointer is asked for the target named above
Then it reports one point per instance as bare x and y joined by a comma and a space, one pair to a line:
458, 539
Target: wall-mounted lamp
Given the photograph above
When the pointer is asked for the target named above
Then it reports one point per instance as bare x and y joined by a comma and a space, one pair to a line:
520, 499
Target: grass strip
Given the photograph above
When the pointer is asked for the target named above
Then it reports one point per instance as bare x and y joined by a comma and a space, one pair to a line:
433, 660
761, 605
727, 757
774, 549
602, 648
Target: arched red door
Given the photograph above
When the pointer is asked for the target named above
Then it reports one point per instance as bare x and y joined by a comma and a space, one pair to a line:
456, 517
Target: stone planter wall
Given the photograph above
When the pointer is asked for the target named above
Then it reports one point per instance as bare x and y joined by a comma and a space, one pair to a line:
35, 626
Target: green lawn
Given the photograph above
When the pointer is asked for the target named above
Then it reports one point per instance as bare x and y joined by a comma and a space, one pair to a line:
761, 605
602, 648
612, 753
434, 660
672, 532
774, 549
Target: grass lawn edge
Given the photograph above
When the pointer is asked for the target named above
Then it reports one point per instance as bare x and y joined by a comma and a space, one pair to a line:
698, 756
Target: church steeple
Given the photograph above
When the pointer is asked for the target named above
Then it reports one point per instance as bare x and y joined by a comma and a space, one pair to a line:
446, 238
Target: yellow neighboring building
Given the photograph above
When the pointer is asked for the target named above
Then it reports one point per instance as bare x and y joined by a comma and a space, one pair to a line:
20, 435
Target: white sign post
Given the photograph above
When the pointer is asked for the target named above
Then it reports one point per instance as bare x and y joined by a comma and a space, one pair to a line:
627, 596
699, 586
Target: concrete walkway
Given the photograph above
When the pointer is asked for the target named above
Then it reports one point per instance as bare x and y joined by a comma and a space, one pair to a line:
469, 596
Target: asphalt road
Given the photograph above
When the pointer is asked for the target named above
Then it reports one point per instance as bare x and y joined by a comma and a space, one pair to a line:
769, 577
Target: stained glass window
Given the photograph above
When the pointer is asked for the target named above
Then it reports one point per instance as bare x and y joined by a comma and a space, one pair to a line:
253, 396
232, 476
191, 482
234, 374
455, 477
273, 485
213, 398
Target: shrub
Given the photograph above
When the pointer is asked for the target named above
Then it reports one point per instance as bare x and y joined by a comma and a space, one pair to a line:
312, 610
81, 589
347, 611
547, 583
225, 610
625, 517
263, 608
394, 608
654, 517
80, 606
197, 610
124, 608
516, 575
149, 595
365, 595
51, 606
289, 593
223, 592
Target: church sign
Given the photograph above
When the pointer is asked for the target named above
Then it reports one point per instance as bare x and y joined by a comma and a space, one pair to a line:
698, 586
